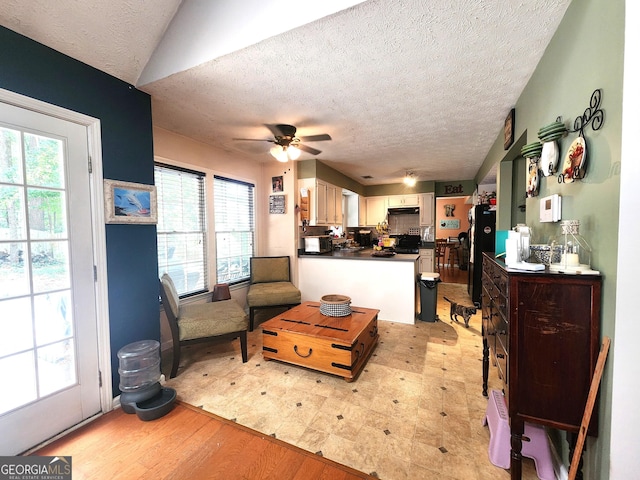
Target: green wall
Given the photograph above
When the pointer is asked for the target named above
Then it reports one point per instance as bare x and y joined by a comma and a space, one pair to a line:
585, 54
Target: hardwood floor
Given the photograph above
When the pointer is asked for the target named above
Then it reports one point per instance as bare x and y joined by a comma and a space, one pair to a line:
453, 274
187, 443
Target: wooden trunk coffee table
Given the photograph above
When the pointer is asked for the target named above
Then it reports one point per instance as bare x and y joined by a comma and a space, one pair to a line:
337, 345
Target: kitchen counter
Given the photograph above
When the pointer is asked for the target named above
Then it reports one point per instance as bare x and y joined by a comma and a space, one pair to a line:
361, 254
384, 283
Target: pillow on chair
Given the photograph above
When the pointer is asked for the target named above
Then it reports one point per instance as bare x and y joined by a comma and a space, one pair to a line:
270, 270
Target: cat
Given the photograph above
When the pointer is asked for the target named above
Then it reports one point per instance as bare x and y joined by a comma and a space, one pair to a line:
464, 312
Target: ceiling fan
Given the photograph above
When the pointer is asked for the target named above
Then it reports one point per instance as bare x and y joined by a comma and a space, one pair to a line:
287, 145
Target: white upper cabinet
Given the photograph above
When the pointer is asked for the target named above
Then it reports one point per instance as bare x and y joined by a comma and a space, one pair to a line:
325, 202
412, 200
427, 205
376, 210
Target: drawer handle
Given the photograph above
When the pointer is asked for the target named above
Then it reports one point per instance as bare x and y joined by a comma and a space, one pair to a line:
373, 332
295, 349
500, 355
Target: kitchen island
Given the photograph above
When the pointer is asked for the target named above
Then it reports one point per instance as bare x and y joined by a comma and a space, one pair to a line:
384, 283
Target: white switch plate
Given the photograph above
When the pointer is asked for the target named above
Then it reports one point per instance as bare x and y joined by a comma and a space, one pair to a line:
551, 208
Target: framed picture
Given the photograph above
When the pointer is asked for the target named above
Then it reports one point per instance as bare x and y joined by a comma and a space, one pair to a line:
450, 224
509, 132
127, 202
277, 184
277, 204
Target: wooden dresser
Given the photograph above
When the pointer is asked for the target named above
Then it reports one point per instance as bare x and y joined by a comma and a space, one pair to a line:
542, 332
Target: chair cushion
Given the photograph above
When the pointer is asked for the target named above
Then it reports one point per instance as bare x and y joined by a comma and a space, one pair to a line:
171, 292
200, 320
274, 293
269, 269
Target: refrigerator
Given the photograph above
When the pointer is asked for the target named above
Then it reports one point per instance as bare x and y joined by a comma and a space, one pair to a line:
482, 238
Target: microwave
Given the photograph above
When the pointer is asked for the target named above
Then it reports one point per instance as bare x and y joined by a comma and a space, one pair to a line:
318, 244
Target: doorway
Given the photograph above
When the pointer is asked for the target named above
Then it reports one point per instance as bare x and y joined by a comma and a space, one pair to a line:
49, 329
452, 223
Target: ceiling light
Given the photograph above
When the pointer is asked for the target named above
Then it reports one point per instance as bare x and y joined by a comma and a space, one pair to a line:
293, 152
285, 153
279, 153
410, 179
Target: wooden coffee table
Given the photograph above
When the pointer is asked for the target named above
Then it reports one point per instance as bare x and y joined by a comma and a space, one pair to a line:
336, 345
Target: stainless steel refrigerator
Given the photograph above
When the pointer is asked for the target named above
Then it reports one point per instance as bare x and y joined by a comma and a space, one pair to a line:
482, 237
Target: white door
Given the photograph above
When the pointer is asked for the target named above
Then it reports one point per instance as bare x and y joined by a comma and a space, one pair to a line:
48, 329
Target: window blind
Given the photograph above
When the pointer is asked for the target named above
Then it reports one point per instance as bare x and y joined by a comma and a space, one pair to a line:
235, 228
182, 245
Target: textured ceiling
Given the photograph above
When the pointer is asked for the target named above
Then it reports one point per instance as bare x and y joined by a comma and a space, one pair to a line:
398, 84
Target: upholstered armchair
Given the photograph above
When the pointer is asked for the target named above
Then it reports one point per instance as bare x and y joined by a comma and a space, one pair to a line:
270, 285
201, 322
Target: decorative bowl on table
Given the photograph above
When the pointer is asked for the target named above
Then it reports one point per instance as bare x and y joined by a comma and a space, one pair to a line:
335, 305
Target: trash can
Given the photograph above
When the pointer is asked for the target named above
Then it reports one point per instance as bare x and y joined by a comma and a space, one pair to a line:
429, 296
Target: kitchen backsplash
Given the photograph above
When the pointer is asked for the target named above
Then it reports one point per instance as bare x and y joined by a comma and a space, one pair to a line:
399, 224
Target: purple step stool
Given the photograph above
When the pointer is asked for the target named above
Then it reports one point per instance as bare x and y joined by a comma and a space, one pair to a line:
500, 443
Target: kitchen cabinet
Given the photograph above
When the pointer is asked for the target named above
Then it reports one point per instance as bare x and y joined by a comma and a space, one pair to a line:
362, 211
325, 200
322, 211
376, 210
426, 209
334, 205
542, 332
426, 260
403, 200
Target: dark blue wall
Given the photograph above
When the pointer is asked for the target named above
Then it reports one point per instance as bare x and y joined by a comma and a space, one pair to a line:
36, 71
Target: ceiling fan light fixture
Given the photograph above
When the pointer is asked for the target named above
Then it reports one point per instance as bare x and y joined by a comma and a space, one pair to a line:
279, 153
409, 179
293, 152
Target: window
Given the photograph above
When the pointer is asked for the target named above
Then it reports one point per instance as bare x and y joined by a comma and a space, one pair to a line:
235, 227
182, 246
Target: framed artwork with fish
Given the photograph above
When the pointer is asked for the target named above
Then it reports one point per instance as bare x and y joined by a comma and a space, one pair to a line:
128, 202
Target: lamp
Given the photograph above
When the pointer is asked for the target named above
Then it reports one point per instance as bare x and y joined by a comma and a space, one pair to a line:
409, 179
285, 153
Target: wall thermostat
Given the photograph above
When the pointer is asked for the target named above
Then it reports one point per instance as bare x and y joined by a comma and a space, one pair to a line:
551, 208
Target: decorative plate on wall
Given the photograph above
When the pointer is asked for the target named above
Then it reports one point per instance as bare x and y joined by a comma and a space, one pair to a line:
572, 167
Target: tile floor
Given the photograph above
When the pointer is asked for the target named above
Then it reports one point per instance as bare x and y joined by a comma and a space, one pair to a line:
415, 412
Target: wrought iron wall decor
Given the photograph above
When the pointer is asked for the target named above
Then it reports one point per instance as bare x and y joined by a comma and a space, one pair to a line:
593, 114
574, 167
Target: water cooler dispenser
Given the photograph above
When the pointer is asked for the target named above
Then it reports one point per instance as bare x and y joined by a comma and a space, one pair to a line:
139, 369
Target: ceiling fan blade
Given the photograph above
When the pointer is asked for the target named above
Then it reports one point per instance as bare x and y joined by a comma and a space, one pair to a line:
254, 139
308, 149
315, 138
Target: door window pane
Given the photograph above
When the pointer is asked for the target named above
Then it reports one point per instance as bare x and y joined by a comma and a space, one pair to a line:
13, 225
56, 367
47, 214
44, 159
50, 266
14, 272
10, 156
16, 328
53, 317
18, 371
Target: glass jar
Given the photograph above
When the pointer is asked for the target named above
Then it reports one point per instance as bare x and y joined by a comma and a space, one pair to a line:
575, 251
